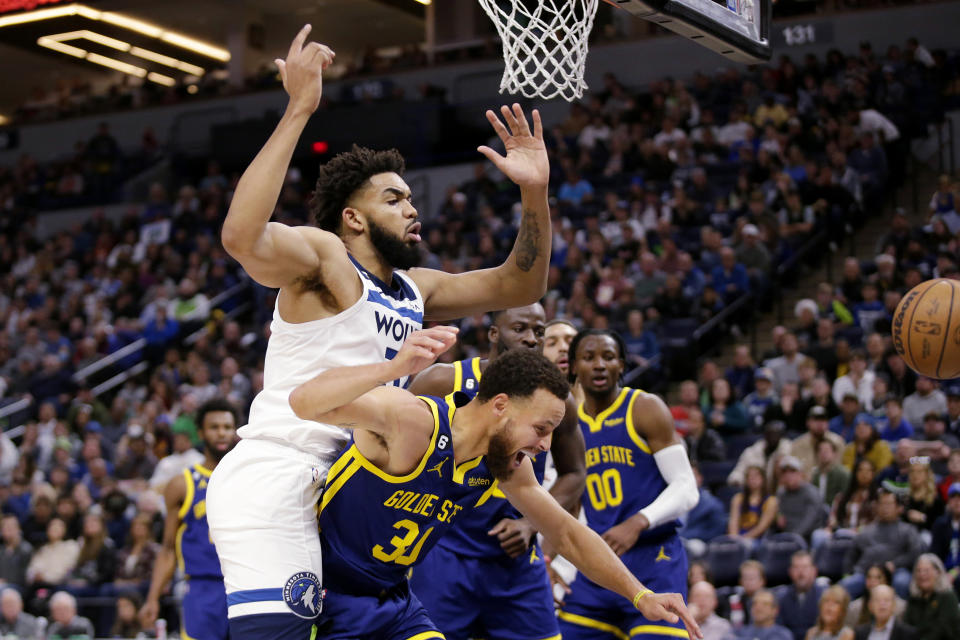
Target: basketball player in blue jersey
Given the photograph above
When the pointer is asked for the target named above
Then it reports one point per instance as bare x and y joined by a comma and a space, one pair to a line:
417, 465
486, 578
349, 294
639, 482
186, 537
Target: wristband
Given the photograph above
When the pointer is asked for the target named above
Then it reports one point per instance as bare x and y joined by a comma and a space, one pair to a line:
639, 596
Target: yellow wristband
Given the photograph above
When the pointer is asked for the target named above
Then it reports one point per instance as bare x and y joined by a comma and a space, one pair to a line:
639, 596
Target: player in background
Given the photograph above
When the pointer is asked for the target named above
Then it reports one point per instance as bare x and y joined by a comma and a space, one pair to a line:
486, 577
416, 463
639, 481
186, 537
556, 347
350, 293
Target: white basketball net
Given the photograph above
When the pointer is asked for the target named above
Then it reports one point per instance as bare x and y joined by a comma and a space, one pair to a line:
544, 46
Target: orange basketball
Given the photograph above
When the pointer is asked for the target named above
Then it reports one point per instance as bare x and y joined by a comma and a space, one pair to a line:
926, 328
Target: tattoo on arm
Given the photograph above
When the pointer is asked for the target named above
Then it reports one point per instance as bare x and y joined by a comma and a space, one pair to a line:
527, 241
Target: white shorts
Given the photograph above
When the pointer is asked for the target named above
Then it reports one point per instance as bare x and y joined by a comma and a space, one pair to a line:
262, 512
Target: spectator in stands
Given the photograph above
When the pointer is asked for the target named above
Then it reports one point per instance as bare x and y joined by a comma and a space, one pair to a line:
903, 380
952, 475
127, 624
649, 281
137, 461
895, 426
925, 399
575, 190
791, 409
703, 607
867, 445
845, 423
753, 510
805, 447
935, 442
189, 305
953, 409
799, 601
65, 623
932, 607
946, 536
923, 503
14, 622
886, 624
642, 345
763, 453
135, 562
858, 381
703, 443
97, 559
898, 470
754, 256
859, 612
724, 413
705, 521
184, 455
36, 526
786, 367
889, 541
15, 553
758, 402
829, 476
730, 278
832, 613
801, 510
740, 374
763, 612
53, 562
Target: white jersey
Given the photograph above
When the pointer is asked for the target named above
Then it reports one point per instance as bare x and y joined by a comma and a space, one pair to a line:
371, 330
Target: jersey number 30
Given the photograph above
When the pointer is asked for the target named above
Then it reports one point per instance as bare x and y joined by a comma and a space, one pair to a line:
402, 542
605, 489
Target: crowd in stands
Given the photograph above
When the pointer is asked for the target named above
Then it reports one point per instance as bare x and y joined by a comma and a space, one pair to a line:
668, 206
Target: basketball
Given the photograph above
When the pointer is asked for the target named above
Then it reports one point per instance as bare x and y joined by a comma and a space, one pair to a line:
926, 328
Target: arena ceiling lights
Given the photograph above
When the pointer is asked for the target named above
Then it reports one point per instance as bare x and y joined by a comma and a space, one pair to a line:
94, 46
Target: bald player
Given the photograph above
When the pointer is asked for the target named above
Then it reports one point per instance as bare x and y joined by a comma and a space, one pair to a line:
486, 578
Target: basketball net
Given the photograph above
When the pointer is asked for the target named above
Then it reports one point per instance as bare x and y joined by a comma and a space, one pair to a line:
544, 45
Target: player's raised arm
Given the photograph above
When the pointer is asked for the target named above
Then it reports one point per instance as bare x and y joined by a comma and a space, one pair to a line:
522, 278
342, 395
588, 552
272, 253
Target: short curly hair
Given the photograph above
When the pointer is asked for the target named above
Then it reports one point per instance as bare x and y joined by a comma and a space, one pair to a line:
519, 373
340, 178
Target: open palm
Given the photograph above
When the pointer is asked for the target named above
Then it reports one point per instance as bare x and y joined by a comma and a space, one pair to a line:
526, 161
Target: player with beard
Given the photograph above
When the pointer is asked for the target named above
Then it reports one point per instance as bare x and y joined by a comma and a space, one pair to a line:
186, 537
350, 293
639, 482
486, 577
556, 347
417, 462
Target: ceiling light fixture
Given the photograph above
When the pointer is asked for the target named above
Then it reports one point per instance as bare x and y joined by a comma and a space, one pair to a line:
125, 22
119, 65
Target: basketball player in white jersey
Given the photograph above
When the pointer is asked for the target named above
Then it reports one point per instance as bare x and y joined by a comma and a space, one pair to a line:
349, 295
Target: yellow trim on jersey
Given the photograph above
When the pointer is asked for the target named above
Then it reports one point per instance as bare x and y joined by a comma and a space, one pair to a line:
460, 470
178, 546
556, 637
492, 492
632, 430
184, 636
383, 475
596, 424
338, 466
427, 634
458, 375
352, 465
475, 365
660, 630
313, 632
584, 621
202, 469
188, 498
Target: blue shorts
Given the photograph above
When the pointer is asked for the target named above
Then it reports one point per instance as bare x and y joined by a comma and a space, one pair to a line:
395, 615
204, 610
272, 626
496, 599
593, 613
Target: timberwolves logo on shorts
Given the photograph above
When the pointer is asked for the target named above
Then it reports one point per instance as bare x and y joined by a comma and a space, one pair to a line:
302, 594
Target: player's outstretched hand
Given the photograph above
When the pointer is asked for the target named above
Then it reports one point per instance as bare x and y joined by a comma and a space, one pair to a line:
302, 71
422, 348
526, 161
669, 607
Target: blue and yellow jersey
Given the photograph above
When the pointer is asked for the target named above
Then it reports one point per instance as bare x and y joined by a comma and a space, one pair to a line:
374, 526
196, 555
470, 537
622, 476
